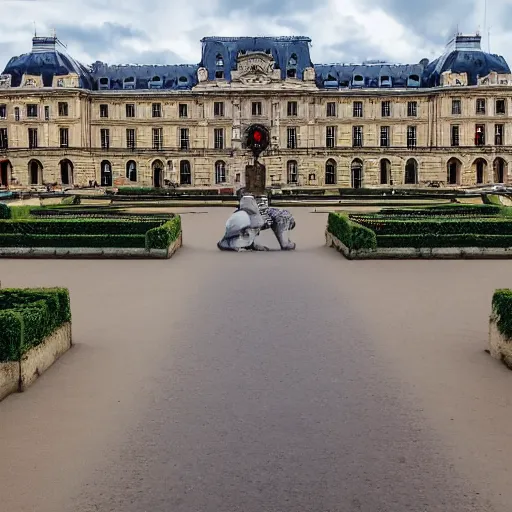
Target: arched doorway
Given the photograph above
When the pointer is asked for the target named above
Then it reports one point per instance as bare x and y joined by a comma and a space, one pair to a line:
385, 171
356, 171
66, 172
292, 172
480, 168
131, 170
220, 172
330, 172
157, 168
5, 173
411, 172
35, 172
106, 173
454, 167
500, 168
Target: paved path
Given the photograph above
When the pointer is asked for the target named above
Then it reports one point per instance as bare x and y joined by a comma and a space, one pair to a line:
264, 382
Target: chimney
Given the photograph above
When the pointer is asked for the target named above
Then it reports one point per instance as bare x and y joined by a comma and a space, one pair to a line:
43, 44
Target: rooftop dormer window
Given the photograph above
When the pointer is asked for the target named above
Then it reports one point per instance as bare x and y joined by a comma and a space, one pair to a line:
183, 80
156, 82
219, 61
385, 81
129, 83
413, 81
104, 83
291, 69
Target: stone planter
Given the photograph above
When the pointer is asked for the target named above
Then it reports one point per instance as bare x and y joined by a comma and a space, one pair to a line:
499, 347
19, 375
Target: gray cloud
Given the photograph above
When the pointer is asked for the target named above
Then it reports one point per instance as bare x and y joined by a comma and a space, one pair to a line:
269, 7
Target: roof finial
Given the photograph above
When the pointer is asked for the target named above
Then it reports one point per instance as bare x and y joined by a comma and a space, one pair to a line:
35, 30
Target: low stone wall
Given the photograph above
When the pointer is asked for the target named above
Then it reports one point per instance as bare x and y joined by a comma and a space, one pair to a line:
499, 347
444, 253
19, 375
90, 252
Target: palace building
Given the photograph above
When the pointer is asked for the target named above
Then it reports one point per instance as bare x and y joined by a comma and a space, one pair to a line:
331, 125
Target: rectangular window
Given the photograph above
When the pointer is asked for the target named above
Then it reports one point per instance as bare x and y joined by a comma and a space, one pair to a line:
157, 138
456, 107
480, 135
183, 110
130, 110
156, 109
256, 108
480, 106
330, 136
64, 137
218, 136
184, 141
412, 108
357, 136
130, 138
32, 110
105, 138
47, 113
501, 107
16, 113
455, 135
499, 135
411, 137
292, 109
103, 110
63, 109
218, 109
3, 111
384, 136
291, 138
32, 138
4, 141
331, 109
358, 109
386, 109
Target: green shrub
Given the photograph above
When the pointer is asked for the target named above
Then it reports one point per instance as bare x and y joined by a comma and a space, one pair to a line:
442, 210
70, 200
351, 234
22, 212
63, 241
162, 236
28, 316
502, 308
440, 241
5, 211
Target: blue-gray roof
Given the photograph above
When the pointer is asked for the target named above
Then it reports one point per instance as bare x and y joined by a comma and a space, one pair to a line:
291, 55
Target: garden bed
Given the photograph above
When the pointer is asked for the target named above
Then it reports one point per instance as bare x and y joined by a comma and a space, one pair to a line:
448, 231
500, 327
35, 330
93, 236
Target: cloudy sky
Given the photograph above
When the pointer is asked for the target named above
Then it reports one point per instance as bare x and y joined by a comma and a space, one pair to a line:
168, 31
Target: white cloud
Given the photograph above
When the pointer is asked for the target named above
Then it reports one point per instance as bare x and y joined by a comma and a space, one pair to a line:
119, 32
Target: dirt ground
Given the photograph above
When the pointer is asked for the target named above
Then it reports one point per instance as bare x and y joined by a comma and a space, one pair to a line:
280, 381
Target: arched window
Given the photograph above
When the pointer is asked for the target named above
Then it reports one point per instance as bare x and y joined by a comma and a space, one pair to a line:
356, 171
106, 174
131, 170
66, 172
220, 172
157, 168
185, 173
453, 171
330, 172
385, 171
500, 170
219, 61
480, 168
292, 172
411, 172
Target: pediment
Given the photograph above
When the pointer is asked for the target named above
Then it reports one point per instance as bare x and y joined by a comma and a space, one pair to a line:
255, 68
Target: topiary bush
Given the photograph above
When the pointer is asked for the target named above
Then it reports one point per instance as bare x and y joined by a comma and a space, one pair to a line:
28, 316
163, 236
351, 234
502, 309
5, 211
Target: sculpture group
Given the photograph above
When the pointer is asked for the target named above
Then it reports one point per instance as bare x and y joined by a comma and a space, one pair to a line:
252, 217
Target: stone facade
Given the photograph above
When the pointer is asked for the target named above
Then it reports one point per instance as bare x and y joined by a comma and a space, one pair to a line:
453, 134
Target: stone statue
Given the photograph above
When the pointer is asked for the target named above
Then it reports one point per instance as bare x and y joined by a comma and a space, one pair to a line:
245, 225
202, 74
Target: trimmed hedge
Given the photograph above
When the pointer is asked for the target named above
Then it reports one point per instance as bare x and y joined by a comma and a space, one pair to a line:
351, 234
71, 200
152, 191
502, 308
62, 241
162, 236
445, 210
5, 211
81, 226
442, 241
28, 316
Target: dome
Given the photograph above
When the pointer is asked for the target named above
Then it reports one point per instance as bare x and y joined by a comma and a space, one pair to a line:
464, 55
47, 60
